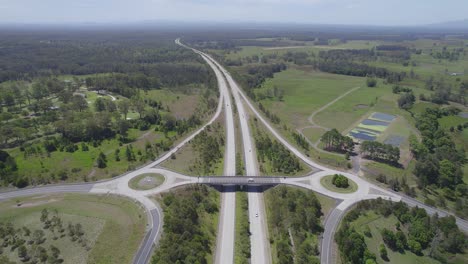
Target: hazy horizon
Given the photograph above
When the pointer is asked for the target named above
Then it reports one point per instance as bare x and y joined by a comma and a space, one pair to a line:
330, 12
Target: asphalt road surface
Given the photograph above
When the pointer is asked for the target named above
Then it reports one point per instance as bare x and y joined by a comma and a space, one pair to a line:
260, 245
226, 227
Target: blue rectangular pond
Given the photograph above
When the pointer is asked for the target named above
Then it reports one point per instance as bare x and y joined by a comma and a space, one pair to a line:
383, 117
372, 122
362, 134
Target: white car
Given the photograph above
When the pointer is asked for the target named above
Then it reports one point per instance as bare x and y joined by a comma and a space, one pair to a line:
256, 215
250, 180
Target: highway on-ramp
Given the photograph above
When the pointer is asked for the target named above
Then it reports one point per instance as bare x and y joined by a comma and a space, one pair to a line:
373, 190
225, 245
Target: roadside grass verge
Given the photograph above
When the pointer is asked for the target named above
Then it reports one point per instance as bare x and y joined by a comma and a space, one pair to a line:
327, 183
146, 181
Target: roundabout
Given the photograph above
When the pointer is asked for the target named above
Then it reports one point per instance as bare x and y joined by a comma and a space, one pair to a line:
329, 183
146, 181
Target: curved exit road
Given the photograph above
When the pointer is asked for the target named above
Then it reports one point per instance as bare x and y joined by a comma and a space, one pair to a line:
225, 244
366, 189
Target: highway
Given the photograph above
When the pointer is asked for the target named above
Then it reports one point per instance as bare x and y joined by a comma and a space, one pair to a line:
364, 186
226, 228
260, 250
225, 242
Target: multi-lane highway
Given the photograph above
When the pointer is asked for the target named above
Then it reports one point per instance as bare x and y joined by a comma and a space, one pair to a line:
366, 190
226, 230
225, 242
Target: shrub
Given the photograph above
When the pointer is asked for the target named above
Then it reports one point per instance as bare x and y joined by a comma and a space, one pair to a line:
340, 181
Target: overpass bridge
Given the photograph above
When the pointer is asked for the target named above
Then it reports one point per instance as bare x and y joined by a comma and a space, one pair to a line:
240, 180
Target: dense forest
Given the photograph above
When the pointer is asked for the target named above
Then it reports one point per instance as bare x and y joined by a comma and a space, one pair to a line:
189, 233
416, 231
294, 220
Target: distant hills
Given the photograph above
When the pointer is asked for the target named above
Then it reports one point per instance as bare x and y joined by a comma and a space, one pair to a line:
456, 24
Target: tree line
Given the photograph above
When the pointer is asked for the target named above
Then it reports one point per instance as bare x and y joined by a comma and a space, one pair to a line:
381, 152
335, 141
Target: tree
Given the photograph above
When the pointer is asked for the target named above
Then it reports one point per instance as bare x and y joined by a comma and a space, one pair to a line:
117, 155
448, 174
124, 106
371, 81
406, 100
336, 142
340, 181
139, 105
383, 252
129, 153
38, 237
415, 247
100, 104
79, 103
23, 253
101, 160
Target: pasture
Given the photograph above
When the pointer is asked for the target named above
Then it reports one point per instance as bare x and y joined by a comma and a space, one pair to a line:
106, 222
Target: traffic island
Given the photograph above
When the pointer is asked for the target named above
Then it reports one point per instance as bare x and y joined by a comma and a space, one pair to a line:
338, 183
146, 181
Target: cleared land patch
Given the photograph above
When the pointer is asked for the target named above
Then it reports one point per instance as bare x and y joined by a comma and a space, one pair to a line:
106, 221
305, 92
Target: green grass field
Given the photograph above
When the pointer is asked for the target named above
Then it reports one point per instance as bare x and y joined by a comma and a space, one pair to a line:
146, 181
327, 183
298, 46
305, 92
313, 134
106, 221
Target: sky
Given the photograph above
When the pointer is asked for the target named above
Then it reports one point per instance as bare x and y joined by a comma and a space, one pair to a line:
349, 12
